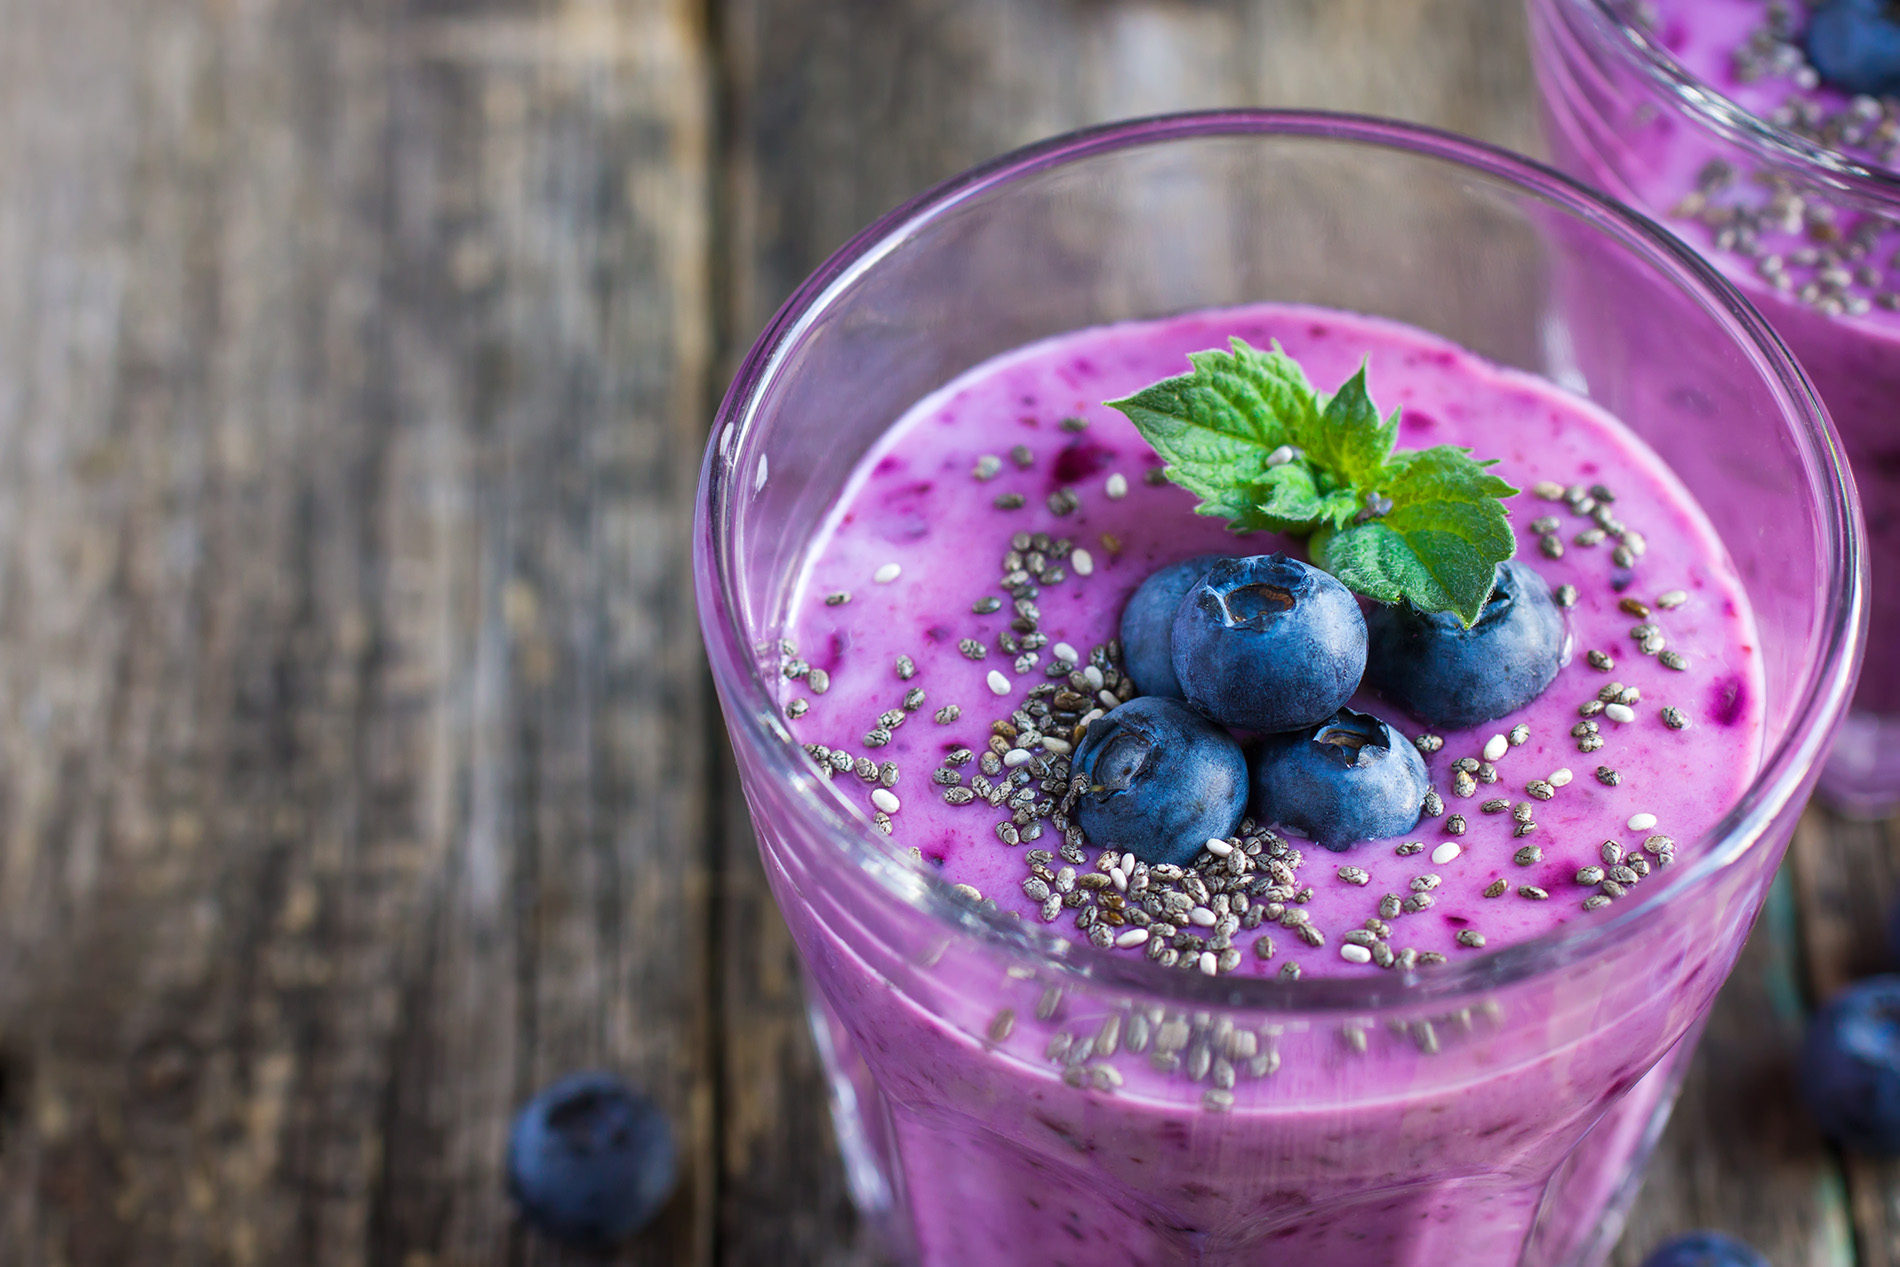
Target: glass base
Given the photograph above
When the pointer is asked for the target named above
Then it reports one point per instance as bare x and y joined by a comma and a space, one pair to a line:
1575, 1224
1862, 775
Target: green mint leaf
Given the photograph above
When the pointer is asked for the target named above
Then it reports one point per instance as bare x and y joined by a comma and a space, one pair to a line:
1248, 434
1218, 427
1440, 544
1350, 442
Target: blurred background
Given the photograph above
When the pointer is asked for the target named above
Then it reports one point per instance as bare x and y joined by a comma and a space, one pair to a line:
358, 767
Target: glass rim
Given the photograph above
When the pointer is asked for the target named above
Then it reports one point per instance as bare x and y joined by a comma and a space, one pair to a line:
1720, 113
753, 717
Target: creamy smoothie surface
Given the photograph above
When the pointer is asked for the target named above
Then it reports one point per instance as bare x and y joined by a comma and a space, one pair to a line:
954, 630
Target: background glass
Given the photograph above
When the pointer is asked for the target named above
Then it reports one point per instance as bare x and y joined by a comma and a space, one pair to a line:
1008, 1095
1622, 115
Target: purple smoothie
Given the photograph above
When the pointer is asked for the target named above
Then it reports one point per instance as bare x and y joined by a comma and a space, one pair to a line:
1079, 1132
1819, 266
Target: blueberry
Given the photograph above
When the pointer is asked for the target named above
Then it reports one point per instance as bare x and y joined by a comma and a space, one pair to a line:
1349, 779
1434, 668
1855, 45
1147, 619
1163, 781
590, 1160
1704, 1249
1268, 643
1850, 1066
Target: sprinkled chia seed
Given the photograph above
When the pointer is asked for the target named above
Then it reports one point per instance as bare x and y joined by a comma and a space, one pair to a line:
1611, 888
796, 709
1596, 901
1549, 490
1390, 906
1590, 537
1010, 501
837, 598
1428, 743
1064, 502
819, 681
1634, 607
1455, 825
1552, 545
1529, 855
1434, 803
1497, 805
1409, 848
1496, 888
1673, 718
1532, 892
1462, 784
1470, 937
1561, 778
1674, 660
987, 467
1022, 456
1607, 776
1590, 875
1623, 556
1540, 789
1566, 595
1523, 811
1600, 660
1355, 875
1487, 773
1544, 524
1672, 599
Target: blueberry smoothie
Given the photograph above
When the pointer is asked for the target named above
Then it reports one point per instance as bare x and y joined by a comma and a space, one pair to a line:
1817, 257
971, 641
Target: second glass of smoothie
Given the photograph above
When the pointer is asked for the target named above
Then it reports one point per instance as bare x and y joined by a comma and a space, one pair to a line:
1707, 115
918, 524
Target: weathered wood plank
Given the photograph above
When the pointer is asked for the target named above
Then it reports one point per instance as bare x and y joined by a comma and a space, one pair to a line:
353, 780
1847, 876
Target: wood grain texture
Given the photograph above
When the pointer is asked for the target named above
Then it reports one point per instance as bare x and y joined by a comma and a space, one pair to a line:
354, 777
1847, 876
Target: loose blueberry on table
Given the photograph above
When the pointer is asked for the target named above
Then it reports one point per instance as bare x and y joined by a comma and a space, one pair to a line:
1850, 1066
590, 1160
1162, 781
1268, 644
1704, 1249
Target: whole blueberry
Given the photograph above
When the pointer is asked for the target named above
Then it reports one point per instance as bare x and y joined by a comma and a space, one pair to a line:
1704, 1249
1850, 1066
1268, 643
1163, 781
590, 1160
1855, 45
1446, 675
1351, 778
1148, 618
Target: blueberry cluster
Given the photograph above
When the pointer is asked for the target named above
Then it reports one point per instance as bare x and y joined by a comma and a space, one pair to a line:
1275, 648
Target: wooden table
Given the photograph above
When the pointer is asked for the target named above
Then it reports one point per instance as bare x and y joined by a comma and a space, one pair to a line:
358, 767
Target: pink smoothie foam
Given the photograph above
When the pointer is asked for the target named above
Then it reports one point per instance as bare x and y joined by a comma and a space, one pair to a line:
916, 514
1823, 275
1018, 1125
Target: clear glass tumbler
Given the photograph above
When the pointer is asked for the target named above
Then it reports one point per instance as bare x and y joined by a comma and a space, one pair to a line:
1000, 1090
1622, 114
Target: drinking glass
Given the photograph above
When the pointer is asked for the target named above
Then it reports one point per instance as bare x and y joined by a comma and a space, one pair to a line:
1006, 1095
1625, 116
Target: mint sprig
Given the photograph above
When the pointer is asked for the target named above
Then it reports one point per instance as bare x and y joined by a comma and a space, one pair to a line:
1251, 437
